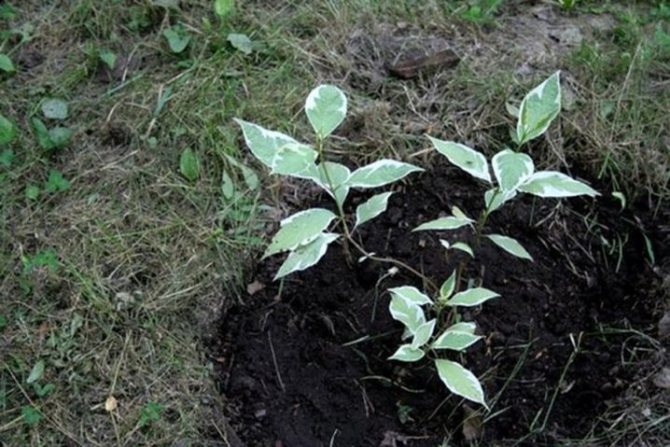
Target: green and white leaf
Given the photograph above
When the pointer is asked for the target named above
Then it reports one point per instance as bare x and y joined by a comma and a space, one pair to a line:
326, 107
380, 173
411, 295
423, 333
464, 326
372, 208
455, 340
472, 297
510, 245
445, 223
448, 287
299, 229
457, 212
262, 142
465, 248
460, 381
294, 159
408, 313
407, 353
469, 160
538, 109
307, 255
511, 169
494, 198
556, 184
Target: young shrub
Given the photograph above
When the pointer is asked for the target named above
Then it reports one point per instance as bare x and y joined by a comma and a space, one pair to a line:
307, 234
513, 173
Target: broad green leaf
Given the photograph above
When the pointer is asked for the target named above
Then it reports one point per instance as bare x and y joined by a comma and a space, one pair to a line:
372, 208
460, 381
495, 198
407, 312
6, 64
31, 415
538, 109
407, 353
55, 109
462, 246
248, 174
6, 158
472, 297
307, 255
294, 159
423, 333
108, 57
463, 326
240, 42
189, 165
56, 182
227, 185
7, 131
60, 136
177, 38
37, 372
222, 8
444, 223
448, 287
510, 245
411, 295
299, 229
42, 134
262, 142
463, 157
380, 173
511, 169
32, 192
326, 107
455, 340
556, 184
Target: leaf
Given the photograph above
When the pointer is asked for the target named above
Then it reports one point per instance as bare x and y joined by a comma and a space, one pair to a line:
556, 184
407, 353
32, 192
42, 134
294, 159
511, 169
223, 8
464, 326
6, 158
448, 287
337, 174
423, 334
538, 109
7, 131
307, 255
411, 295
510, 245
262, 142
463, 157
55, 109
372, 208
6, 64
455, 340
31, 415
151, 412
444, 223
472, 297
380, 173
326, 107
299, 229
108, 57
240, 42
460, 381
407, 312
250, 177
177, 38
59, 137
227, 186
462, 246
56, 182
189, 165
36, 373
621, 197
494, 198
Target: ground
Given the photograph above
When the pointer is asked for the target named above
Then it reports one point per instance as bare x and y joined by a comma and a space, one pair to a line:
127, 267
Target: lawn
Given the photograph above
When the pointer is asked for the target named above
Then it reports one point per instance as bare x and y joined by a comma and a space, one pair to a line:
136, 308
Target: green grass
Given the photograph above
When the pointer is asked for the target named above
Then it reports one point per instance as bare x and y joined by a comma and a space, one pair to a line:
113, 281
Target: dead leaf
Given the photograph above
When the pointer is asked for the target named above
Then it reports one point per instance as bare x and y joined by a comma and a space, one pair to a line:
412, 65
111, 404
392, 438
472, 425
662, 379
664, 326
255, 287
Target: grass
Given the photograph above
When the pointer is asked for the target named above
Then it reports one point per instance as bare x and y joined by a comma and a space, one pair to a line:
112, 282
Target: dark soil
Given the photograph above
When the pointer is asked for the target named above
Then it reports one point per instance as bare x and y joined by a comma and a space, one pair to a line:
291, 379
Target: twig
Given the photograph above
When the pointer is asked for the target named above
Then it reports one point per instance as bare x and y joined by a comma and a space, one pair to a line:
274, 360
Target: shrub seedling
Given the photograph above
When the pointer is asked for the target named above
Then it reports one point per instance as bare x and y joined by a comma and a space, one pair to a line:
514, 173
